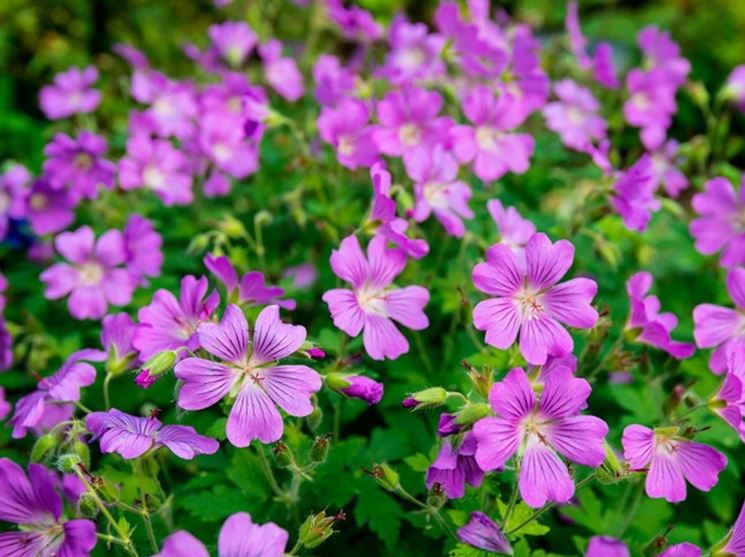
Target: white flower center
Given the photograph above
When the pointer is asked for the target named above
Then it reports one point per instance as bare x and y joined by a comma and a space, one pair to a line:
346, 145
434, 195
371, 300
154, 178
530, 303
90, 274
487, 137
409, 134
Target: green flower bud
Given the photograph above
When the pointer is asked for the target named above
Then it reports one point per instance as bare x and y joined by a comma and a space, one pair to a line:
87, 505
232, 227
83, 452
337, 381
434, 396
43, 448
320, 449
160, 363
314, 418
316, 529
472, 413
282, 455
386, 476
68, 463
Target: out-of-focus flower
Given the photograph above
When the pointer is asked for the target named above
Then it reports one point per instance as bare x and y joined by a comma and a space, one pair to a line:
454, 467
93, 278
684, 549
655, 326
70, 93
14, 189
670, 460
729, 399
540, 428
661, 52
734, 542
487, 142
720, 225
734, 88
605, 546
34, 504
233, 41
373, 305
665, 162
575, 116
333, 81
514, 230
5, 406
78, 164
601, 63
256, 382
173, 105
414, 54
529, 302
49, 210
281, 72
223, 141
117, 336
132, 436
251, 289
303, 276
346, 128
483, 533
634, 194
651, 105
354, 23
142, 249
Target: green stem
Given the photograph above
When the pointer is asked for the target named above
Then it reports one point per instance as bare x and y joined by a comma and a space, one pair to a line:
110, 539
422, 351
431, 511
511, 504
145, 513
631, 511
106, 397
267, 469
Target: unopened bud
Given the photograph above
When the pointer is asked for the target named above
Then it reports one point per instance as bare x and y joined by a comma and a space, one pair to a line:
472, 413
316, 529
87, 505
43, 448
68, 463
315, 418
320, 449
282, 455
434, 396
157, 365
386, 476
82, 450
232, 227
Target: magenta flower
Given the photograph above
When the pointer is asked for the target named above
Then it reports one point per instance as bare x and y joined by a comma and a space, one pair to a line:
333, 81
651, 104
605, 546
734, 88
670, 460
251, 289
487, 142
35, 505
575, 116
483, 533
132, 436
169, 323
634, 194
684, 549
302, 276
93, 278
514, 230
239, 537
665, 163
78, 164
49, 210
720, 225
538, 430
529, 302
233, 41
719, 327
156, 165
142, 249
437, 188
603, 68
5, 406
408, 119
363, 388
249, 375
373, 305
117, 336
415, 54
223, 142
14, 189
454, 467
727, 403
601, 63
52, 401
734, 541
70, 93
663, 53
173, 105
645, 314
281, 72
346, 128
577, 41
354, 23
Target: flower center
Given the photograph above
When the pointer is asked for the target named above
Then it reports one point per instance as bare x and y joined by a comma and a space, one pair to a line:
221, 152
82, 161
39, 202
413, 58
409, 134
533, 429
4, 202
641, 101
486, 137
153, 178
346, 145
575, 116
90, 274
371, 300
434, 195
531, 306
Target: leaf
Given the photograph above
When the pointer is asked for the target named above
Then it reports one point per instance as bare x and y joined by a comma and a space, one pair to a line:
521, 513
418, 462
381, 513
245, 471
463, 550
217, 429
214, 505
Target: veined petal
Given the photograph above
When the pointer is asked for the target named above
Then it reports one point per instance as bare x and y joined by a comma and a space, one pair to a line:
665, 479
349, 263
227, 340
571, 302
345, 310
700, 464
290, 387
182, 544
497, 439
638, 445
273, 339
185, 442
405, 305
545, 262
580, 439
542, 337
500, 275
543, 476
382, 339
500, 318
253, 416
205, 382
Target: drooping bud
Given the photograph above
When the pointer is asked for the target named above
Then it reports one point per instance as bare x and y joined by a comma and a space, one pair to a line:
483, 533
428, 398
87, 505
82, 450
363, 388
472, 413
446, 425
157, 365
68, 463
315, 418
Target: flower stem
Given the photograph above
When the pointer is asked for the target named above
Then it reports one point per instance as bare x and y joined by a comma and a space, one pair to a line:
145, 513
630, 513
106, 397
430, 510
511, 504
267, 469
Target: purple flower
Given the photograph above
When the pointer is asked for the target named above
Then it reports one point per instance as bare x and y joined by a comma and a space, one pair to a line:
14, 187
663, 53
634, 194
169, 323
132, 436
346, 128
372, 305
253, 380
251, 289
233, 40
49, 210
281, 72
605, 546
303, 276
408, 119
333, 81
437, 188
354, 23
601, 63
93, 278
173, 105
514, 230
239, 537
363, 388
117, 335
223, 142
729, 402
483, 533
684, 549
35, 505
454, 467
734, 88
142, 249
156, 165
603, 68
414, 54
5, 406
540, 429
651, 104
50, 404
487, 143
527, 300
574, 117
720, 225
70, 93
447, 425
655, 326
78, 164
670, 460
577, 41
719, 327
665, 163
734, 542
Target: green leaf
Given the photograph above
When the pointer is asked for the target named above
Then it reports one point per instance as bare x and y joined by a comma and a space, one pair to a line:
463, 550
418, 462
381, 513
214, 505
521, 513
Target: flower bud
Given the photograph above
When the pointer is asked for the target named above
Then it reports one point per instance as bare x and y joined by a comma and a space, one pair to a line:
82, 450
282, 455
446, 425
363, 388
68, 463
320, 449
232, 227
157, 365
472, 413
43, 448
434, 396
87, 505
483, 533
316, 529
315, 418
386, 476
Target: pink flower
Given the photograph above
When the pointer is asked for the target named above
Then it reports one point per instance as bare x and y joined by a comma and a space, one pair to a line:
223, 142
70, 93
655, 326
233, 41
94, 277
488, 143
354, 23
372, 305
415, 54
684, 549
529, 302
634, 194
720, 225
538, 430
575, 116
251, 289
719, 327
346, 128
601, 63
514, 230
281, 72
605, 546
142, 248
437, 188
248, 373
734, 88
671, 460
49, 210
734, 541
483, 533
454, 467
665, 163
333, 81
14, 189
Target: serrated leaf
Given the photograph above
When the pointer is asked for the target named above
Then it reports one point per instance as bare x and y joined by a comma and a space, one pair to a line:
214, 505
521, 513
463, 550
418, 462
381, 513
